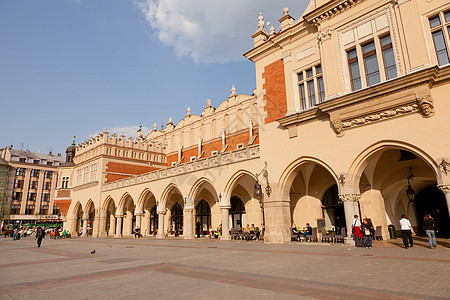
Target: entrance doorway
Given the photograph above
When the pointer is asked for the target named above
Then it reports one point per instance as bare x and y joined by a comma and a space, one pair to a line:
153, 220
203, 215
237, 212
432, 201
177, 219
333, 209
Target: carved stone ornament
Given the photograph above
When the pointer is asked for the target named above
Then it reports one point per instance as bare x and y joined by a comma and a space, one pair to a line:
445, 166
305, 53
325, 35
349, 197
338, 127
387, 114
444, 188
342, 180
426, 106
261, 23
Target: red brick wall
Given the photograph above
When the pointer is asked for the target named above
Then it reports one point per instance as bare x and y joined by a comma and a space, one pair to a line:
232, 142
63, 206
275, 86
115, 167
63, 193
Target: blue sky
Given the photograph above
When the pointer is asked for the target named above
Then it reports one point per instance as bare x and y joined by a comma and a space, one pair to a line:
74, 67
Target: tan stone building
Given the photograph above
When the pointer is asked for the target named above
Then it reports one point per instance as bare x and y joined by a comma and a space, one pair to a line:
349, 116
31, 181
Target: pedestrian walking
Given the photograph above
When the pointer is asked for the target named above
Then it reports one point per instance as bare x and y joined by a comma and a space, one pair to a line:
430, 229
198, 227
407, 231
39, 236
367, 231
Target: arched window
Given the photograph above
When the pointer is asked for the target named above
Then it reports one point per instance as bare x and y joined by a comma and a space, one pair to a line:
240, 120
153, 220
213, 129
237, 211
226, 123
203, 215
177, 219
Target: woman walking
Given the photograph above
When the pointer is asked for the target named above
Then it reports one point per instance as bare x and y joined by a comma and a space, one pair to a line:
367, 229
430, 229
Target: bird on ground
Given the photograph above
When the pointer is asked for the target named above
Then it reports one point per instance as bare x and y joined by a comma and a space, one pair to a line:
93, 251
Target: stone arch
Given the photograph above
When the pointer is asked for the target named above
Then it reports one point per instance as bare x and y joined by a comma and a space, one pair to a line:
360, 162
108, 222
147, 211
379, 174
289, 173
88, 208
165, 195
142, 198
241, 185
122, 202
170, 198
77, 216
232, 182
204, 190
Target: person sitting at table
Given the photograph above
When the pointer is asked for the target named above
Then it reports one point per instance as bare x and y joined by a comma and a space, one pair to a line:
296, 231
247, 233
307, 230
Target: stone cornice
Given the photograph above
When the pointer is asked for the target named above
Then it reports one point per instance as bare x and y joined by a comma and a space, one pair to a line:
329, 10
85, 186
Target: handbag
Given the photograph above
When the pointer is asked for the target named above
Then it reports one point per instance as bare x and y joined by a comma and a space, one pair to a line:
366, 232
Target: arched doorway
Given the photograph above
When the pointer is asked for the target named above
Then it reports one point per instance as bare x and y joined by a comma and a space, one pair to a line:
153, 221
110, 222
384, 178
91, 220
237, 212
431, 201
333, 209
78, 214
129, 219
177, 219
203, 215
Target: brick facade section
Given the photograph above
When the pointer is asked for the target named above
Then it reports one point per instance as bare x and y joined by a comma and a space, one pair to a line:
232, 141
275, 87
62, 193
124, 169
63, 206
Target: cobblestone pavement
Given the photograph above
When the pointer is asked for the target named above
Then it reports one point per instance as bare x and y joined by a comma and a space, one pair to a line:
211, 269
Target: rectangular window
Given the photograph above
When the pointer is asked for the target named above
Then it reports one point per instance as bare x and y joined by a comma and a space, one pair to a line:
439, 24
15, 209
48, 174
43, 210
17, 196
302, 97
34, 173
22, 160
31, 197
36, 161
33, 184
56, 210
46, 186
311, 93
65, 182
49, 163
355, 76
29, 210
45, 197
371, 64
18, 184
388, 57
20, 172
309, 86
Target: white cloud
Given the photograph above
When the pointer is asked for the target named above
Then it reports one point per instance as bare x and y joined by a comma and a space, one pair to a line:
128, 131
213, 30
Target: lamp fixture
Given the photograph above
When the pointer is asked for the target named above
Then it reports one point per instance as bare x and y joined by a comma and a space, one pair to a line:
410, 191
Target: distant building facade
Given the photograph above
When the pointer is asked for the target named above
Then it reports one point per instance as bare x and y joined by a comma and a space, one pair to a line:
30, 186
349, 116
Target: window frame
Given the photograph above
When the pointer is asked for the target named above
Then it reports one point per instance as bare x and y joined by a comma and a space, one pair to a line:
444, 28
306, 78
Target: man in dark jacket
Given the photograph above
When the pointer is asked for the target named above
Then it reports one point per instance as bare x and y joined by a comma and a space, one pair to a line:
40, 234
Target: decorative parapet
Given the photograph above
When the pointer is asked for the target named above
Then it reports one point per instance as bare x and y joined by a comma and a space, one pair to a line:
85, 186
329, 10
227, 158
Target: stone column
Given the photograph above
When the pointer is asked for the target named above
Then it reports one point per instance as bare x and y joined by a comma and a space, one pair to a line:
446, 190
189, 230
112, 225
118, 226
278, 213
147, 224
100, 229
225, 212
350, 209
161, 216
84, 234
138, 220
